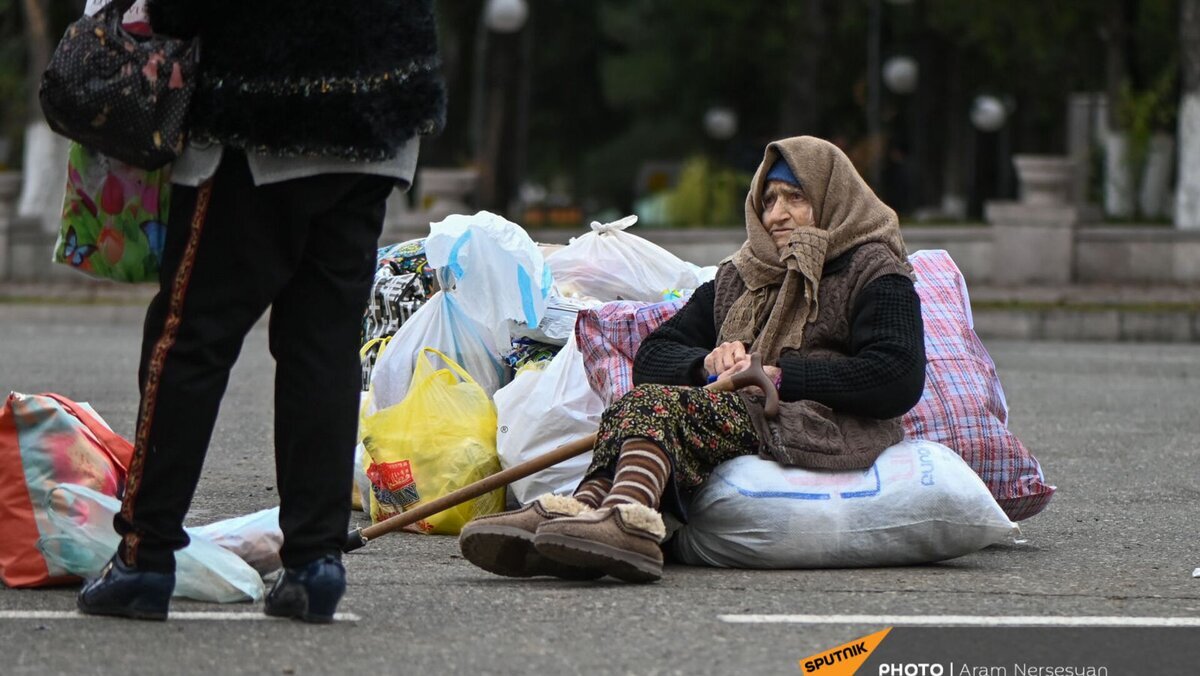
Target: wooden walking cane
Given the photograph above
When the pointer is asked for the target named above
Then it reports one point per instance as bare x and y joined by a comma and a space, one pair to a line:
359, 537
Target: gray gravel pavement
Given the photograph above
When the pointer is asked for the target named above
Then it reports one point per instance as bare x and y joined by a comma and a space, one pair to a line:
1116, 427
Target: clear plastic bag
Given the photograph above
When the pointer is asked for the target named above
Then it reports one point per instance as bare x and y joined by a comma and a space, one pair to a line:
83, 541
255, 538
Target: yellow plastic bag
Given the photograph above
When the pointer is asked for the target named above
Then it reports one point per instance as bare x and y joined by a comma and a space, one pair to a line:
439, 438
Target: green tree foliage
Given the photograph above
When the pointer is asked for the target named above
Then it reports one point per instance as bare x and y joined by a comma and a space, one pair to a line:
667, 64
617, 83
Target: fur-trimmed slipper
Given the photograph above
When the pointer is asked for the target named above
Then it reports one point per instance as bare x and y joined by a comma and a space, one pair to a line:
623, 541
503, 543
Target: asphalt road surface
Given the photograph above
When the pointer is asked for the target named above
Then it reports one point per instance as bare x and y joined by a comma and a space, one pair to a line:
1116, 428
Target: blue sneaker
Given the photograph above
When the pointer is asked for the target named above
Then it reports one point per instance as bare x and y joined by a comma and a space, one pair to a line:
127, 592
309, 593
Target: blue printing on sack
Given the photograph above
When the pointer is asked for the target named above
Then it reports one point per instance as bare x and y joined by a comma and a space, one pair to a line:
458, 244
867, 493
805, 496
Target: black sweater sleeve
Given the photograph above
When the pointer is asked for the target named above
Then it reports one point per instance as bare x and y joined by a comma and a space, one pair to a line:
674, 353
884, 374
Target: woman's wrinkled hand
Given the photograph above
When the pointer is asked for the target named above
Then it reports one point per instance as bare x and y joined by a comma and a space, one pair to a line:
724, 357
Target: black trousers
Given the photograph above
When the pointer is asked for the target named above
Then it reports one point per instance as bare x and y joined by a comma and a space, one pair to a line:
305, 248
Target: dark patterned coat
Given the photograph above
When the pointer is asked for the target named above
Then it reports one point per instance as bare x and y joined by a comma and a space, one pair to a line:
354, 80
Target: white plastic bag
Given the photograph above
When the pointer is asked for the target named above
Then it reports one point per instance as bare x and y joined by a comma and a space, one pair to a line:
442, 325
85, 540
362, 482
918, 503
541, 410
610, 264
498, 273
256, 538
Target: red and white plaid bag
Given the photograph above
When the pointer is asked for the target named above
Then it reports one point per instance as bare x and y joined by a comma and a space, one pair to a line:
609, 335
963, 406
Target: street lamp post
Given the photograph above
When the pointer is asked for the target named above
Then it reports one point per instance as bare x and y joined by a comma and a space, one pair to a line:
901, 74
489, 110
874, 116
875, 77
988, 115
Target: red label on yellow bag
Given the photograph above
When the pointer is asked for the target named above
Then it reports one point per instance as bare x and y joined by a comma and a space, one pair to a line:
393, 485
442, 437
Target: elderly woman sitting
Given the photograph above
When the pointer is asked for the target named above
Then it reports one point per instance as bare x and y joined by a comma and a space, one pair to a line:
822, 291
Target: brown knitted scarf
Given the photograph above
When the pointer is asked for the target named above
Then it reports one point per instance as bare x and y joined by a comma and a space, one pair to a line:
781, 288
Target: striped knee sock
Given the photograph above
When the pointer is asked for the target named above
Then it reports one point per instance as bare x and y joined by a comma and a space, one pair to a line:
592, 491
642, 471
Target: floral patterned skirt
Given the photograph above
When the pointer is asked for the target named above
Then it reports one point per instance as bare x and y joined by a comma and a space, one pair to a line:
697, 428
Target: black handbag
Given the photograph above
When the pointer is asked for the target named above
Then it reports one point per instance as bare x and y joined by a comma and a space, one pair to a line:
124, 96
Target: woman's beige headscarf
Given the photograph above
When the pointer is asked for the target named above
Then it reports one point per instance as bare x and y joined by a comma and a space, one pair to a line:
781, 288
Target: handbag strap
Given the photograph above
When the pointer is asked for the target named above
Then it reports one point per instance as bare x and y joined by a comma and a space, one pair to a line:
122, 5
110, 441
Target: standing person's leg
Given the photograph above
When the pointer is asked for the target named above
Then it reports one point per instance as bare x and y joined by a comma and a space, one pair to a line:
219, 274
655, 442
315, 333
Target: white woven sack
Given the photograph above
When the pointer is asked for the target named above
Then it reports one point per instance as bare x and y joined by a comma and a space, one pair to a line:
541, 410
918, 503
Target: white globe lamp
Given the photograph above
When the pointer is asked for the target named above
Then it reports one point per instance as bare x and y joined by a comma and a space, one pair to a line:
720, 123
988, 113
505, 16
901, 74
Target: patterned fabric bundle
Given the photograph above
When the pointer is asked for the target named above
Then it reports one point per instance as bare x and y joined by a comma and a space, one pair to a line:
403, 283
526, 352
394, 298
963, 406
408, 256
609, 336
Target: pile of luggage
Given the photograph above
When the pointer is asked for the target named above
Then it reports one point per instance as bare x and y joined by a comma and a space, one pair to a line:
499, 318
482, 350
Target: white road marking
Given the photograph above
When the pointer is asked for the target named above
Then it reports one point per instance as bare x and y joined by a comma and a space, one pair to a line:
968, 620
179, 615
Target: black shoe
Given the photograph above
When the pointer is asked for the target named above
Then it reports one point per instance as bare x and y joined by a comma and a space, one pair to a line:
309, 593
127, 592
